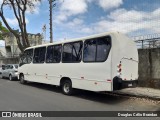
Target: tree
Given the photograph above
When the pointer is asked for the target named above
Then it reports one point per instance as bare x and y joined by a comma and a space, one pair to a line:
3, 30
19, 8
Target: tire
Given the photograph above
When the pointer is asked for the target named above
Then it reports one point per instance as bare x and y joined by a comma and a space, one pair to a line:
10, 77
21, 78
67, 87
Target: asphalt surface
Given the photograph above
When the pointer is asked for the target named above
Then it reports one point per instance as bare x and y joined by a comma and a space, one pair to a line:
41, 97
33, 96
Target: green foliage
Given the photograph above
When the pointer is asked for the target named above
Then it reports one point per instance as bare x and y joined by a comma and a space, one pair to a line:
2, 31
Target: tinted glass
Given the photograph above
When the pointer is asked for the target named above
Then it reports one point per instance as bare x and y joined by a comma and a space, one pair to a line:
72, 52
53, 54
39, 55
96, 50
26, 58
67, 53
57, 53
49, 57
103, 47
89, 53
77, 51
29, 55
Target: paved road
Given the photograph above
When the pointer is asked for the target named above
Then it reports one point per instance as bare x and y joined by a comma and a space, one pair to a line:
39, 97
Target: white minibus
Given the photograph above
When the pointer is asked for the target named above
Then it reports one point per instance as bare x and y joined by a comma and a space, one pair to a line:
103, 62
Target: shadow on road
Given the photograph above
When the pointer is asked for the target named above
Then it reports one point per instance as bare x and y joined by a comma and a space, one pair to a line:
88, 95
158, 109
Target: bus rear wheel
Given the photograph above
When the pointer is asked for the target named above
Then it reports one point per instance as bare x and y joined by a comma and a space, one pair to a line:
21, 78
67, 87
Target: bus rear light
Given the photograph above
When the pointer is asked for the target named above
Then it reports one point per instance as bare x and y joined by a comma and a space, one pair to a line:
120, 70
120, 65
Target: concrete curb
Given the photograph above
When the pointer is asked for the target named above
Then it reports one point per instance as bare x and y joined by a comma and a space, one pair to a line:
157, 98
139, 92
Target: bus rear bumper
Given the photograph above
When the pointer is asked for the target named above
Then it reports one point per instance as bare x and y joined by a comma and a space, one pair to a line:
119, 84
129, 84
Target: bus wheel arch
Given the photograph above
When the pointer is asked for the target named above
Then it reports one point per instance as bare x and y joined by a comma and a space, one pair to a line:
117, 83
66, 85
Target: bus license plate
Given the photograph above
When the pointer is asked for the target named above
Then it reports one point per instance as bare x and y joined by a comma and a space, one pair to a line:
129, 85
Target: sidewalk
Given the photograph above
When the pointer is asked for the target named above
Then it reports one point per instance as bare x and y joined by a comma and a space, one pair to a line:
141, 92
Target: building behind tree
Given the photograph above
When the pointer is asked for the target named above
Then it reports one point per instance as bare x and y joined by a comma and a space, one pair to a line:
11, 45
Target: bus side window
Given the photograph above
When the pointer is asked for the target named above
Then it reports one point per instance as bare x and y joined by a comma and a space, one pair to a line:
49, 56
103, 48
26, 57
72, 52
97, 50
39, 55
29, 55
57, 53
67, 52
77, 51
53, 54
89, 53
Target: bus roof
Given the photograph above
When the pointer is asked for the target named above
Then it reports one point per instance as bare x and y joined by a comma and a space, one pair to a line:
73, 40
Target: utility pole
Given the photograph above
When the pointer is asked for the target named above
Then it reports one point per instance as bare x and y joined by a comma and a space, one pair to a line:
52, 4
51, 30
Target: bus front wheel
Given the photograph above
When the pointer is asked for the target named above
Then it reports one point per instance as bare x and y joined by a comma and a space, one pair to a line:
21, 78
67, 87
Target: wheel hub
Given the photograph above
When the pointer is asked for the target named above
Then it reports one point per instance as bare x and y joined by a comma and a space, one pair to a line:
66, 87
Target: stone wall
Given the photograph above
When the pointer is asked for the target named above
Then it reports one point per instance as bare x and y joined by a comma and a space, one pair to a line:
149, 67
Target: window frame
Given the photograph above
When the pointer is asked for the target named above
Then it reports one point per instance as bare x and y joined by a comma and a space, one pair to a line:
96, 39
80, 41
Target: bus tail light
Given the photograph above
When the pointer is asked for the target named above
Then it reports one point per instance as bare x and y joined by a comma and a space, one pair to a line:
119, 68
120, 65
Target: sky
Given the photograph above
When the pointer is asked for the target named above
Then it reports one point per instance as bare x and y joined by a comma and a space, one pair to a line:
79, 18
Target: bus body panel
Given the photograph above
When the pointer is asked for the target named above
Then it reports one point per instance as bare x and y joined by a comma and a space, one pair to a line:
83, 75
124, 52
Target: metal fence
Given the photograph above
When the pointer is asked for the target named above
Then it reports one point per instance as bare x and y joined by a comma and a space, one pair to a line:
147, 41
